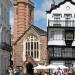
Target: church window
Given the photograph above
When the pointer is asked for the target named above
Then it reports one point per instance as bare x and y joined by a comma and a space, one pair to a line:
32, 46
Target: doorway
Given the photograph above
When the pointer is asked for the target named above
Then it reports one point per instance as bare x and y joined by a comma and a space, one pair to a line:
29, 68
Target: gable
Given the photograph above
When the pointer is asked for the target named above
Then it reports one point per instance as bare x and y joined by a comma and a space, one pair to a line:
62, 9
61, 4
67, 7
31, 31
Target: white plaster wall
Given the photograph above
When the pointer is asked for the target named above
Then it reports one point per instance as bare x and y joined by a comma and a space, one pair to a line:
62, 10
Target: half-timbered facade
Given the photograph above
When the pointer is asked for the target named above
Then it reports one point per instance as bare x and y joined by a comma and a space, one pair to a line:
61, 33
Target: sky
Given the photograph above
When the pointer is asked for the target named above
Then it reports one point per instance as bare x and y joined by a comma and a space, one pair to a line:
41, 6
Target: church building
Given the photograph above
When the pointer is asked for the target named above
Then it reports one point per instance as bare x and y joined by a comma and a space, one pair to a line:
30, 42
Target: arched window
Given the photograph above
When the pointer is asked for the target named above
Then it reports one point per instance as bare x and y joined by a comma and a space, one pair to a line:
32, 47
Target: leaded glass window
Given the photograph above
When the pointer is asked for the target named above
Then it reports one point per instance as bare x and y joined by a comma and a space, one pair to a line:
32, 46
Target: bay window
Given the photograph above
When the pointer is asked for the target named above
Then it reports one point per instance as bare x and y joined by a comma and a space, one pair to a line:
56, 35
62, 52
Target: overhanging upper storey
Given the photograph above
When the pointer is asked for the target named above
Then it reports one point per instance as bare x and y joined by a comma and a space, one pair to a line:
62, 15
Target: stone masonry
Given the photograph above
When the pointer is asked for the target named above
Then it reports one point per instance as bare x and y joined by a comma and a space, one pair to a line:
23, 23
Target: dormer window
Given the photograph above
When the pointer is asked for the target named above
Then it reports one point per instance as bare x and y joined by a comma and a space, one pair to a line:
56, 19
67, 16
68, 21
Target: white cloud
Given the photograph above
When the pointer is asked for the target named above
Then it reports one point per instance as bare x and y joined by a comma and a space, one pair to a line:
41, 12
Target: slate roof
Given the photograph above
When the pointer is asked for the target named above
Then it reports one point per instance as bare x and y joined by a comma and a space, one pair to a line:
42, 32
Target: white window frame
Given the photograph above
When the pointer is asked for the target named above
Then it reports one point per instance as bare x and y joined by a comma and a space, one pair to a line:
32, 39
68, 21
56, 35
56, 19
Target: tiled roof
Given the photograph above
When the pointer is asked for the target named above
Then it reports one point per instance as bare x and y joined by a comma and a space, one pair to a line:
42, 32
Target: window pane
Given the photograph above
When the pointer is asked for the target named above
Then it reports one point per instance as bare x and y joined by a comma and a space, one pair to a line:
51, 52
28, 46
68, 21
52, 35
34, 54
34, 45
73, 52
57, 52
26, 53
57, 19
37, 54
37, 45
31, 45
68, 16
56, 35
